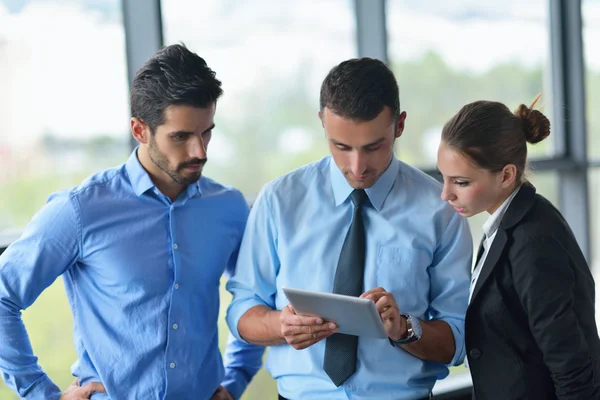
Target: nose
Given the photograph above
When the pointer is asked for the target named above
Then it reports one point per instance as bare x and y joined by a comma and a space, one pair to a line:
359, 164
447, 194
197, 148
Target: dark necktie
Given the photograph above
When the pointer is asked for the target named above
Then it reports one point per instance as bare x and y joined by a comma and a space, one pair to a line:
340, 349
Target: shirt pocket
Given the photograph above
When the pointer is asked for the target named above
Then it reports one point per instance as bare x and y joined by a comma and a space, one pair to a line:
403, 272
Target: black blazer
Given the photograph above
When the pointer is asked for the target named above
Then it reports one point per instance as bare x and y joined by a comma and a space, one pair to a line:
530, 329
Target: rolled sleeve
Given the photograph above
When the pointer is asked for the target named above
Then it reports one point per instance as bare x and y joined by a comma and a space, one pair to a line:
450, 279
254, 281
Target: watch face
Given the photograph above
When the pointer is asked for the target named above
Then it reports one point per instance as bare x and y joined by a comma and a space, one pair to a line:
415, 327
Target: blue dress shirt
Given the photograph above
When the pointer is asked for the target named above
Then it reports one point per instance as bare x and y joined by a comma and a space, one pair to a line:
418, 248
142, 278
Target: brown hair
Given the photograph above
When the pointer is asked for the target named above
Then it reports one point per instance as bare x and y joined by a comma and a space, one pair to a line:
492, 136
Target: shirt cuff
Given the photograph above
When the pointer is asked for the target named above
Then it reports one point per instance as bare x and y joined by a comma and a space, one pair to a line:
43, 389
459, 340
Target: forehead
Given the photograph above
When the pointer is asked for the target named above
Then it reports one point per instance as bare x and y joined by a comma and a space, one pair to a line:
188, 118
453, 163
349, 131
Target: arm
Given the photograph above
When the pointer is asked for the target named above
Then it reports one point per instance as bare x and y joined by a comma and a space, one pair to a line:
252, 315
545, 283
437, 341
442, 339
47, 248
242, 362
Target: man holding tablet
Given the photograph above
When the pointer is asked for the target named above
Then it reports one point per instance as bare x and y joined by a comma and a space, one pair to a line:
358, 223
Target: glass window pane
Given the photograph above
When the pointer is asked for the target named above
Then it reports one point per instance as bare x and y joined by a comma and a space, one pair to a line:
594, 180
271, 57
591, 40
447, 54
64, 99
65, 115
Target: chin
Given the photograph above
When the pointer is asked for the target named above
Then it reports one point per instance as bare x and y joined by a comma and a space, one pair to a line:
367, 183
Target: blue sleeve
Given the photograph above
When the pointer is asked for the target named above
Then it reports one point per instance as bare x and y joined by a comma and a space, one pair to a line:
242, 361
254, 281
47, 248
450, 280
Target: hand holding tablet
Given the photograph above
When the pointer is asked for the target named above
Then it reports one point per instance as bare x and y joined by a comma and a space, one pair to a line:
353, 315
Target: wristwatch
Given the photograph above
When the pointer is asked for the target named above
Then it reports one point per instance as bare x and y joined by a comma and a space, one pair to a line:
414, 330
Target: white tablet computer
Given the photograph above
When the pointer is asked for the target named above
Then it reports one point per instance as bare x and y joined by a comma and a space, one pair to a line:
353, 316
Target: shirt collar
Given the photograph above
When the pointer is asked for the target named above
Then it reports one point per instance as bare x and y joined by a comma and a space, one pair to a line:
141, 181
493, 222
376, 193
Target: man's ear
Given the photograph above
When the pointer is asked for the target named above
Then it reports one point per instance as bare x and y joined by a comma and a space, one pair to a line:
140, 130
509, 175
400, 124
322, 118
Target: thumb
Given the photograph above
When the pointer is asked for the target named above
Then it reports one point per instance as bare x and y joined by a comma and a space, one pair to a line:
93, 387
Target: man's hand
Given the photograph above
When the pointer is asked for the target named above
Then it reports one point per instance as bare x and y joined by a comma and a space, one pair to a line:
394, 323
76, 392
301, 331
221, 394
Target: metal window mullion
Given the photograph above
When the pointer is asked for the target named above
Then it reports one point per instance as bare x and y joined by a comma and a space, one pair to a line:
143, 34
371, 30
570, 118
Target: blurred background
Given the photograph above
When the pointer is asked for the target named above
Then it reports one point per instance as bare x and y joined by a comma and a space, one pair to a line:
65, 67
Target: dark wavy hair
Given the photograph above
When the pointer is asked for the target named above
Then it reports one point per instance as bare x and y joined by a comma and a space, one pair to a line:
359, 89
172, 76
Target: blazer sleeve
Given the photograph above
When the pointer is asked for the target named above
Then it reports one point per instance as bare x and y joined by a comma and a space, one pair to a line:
545, 283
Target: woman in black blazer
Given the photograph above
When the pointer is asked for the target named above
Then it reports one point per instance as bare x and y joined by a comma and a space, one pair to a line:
530, 327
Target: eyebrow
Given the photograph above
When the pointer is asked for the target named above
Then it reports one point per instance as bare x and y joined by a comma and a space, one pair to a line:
451, 177
210, 128
375, 143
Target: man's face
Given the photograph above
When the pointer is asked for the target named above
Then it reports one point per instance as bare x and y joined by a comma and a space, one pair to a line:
362, 150
178, 146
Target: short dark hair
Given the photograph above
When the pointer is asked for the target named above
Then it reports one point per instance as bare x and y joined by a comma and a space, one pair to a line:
172, 76
359, 89
492, 136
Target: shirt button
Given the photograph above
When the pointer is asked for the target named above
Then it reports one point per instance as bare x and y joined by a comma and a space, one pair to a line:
176, 286
175, 326
172, 365
175, 246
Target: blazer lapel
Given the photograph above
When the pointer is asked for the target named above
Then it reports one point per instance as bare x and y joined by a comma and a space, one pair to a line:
479, 252
517, 210
490, 261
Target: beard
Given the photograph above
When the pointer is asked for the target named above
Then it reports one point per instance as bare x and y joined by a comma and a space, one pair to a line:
178, 174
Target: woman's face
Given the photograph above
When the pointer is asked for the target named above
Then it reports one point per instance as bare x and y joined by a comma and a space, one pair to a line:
467, 187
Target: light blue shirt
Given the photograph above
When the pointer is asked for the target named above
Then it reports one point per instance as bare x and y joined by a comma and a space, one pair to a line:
142, 278
418, 248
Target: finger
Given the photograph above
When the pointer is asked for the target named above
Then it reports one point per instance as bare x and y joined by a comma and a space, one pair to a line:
311, 331
295, 319
309, 337
385, 303
305, 343
368, 292
92, 387
391, 314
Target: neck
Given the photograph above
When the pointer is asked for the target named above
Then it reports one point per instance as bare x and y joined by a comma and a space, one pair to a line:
160, 178
505, 194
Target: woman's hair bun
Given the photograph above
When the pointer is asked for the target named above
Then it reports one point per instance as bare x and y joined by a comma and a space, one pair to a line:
535, 124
